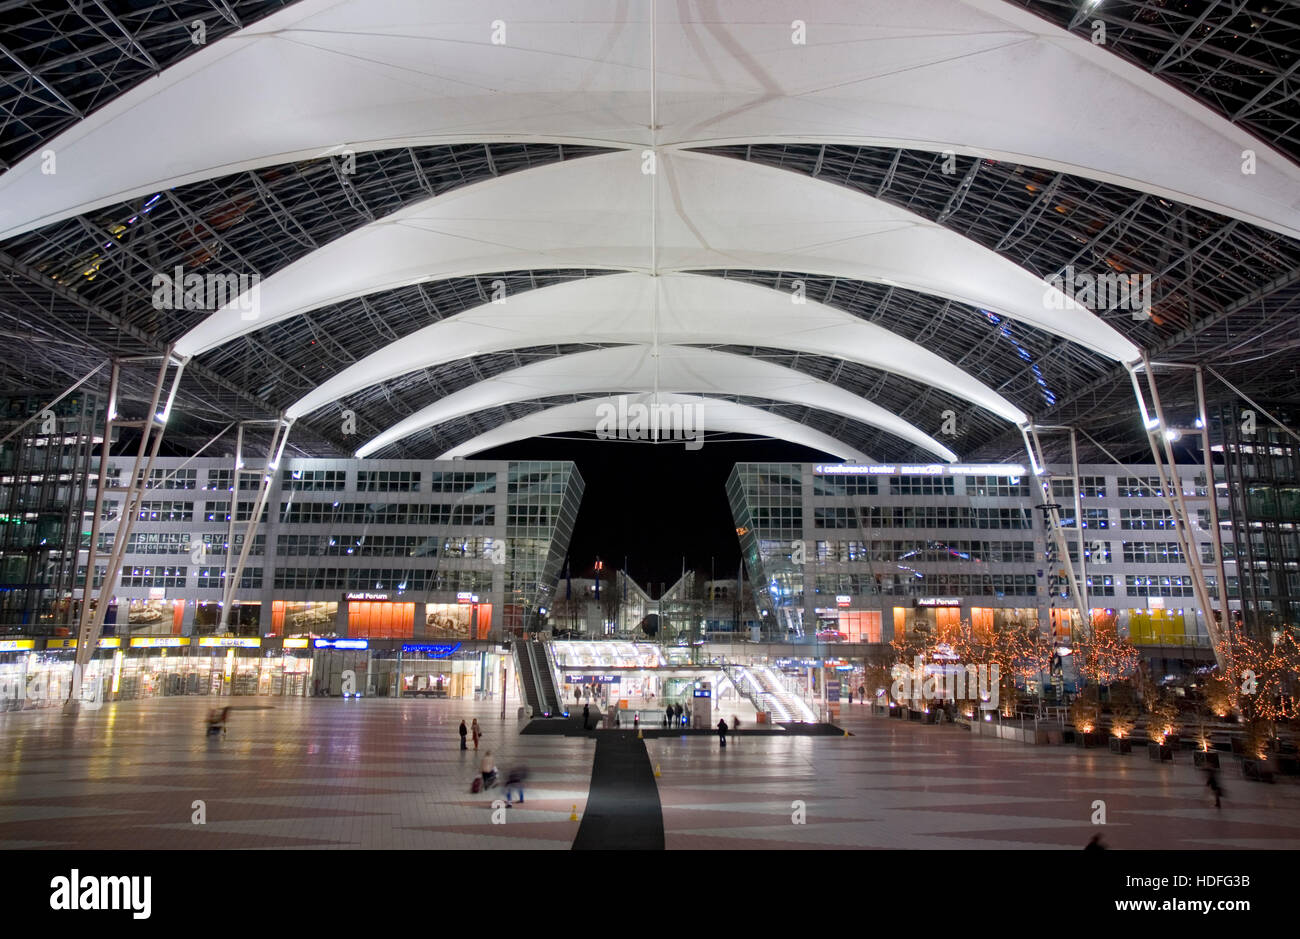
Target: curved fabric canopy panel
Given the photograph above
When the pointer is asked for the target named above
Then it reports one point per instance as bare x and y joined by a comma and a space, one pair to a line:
979, 77
673, 309
642, 368
718, 416
709, 212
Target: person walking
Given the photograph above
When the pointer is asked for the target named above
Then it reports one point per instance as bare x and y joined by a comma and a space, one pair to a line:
722, 732
668, 720
677, 710
862, 693
463, 732
475, 732
586, 717
735, 726
515, 782
1212, 783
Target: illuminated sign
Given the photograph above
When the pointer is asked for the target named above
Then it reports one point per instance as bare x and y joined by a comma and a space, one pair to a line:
921, 469
938, 601
843, 600
365, 596
157, 642
157, 593
107, 642
466, 597
432, 649
300, 643
342, 643
593, 679
17, 645
705, 693
227, 642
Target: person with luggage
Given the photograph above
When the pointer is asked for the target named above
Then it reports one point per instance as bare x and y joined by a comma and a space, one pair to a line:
217, 721
488, 771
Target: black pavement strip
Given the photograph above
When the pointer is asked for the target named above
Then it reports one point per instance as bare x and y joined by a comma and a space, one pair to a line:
623, 811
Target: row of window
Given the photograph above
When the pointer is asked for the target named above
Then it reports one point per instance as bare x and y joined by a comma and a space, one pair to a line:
343, 578
363, 513
357, 545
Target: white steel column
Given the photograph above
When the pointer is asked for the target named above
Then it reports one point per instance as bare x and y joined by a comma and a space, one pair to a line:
1171, 486
151, 429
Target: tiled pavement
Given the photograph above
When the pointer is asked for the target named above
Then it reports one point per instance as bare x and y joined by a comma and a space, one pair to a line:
389, 774
312, 773
896, 785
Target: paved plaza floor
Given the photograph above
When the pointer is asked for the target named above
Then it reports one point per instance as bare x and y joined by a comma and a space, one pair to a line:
329, 773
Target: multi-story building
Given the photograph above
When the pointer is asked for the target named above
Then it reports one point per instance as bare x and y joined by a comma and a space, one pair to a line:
1260, 474
871, 551
47, 455
410, 573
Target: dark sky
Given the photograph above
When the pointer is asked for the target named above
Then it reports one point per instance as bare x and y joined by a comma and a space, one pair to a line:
654, 502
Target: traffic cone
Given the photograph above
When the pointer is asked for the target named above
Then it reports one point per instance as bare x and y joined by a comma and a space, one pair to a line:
573, 815
639, 735
656, 771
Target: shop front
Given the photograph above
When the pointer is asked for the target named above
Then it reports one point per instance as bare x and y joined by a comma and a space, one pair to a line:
467, 618
848, 622
447, 670
377, 616
303, 617
38, 678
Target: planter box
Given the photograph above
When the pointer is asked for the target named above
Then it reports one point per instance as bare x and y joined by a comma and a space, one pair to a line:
1121, 745
1088, 741
896, 713
1160, 753
1288, 765
914, 715
1203, 759
1257, 770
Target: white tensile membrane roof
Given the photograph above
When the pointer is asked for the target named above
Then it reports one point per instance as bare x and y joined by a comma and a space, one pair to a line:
707, 212
646, 368
978, 77
672, 309
717, 416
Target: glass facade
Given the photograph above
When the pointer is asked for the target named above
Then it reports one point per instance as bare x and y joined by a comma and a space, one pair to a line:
861, 558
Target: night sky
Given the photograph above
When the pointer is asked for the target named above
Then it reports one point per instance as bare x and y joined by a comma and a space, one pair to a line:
654, 502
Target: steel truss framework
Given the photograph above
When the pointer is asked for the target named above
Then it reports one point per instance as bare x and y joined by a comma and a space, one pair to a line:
1239, 57
61, 60
77, 291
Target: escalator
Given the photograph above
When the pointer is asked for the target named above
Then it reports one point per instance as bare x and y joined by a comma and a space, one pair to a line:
533, 668
524, 669
545, 683
775, 690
